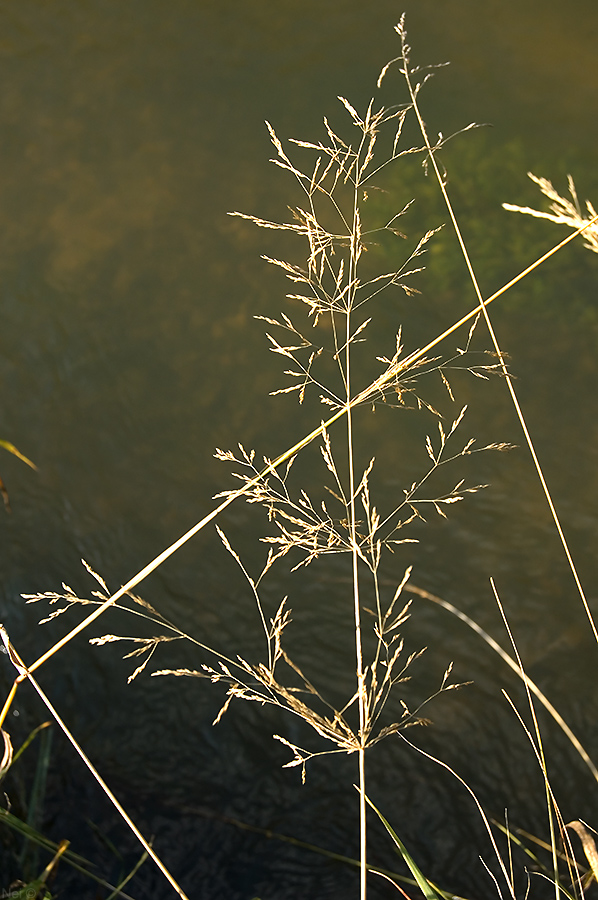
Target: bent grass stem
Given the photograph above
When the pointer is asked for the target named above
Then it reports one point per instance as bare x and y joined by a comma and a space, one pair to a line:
574, 740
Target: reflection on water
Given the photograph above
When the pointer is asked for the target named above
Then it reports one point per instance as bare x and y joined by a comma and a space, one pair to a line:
128, 352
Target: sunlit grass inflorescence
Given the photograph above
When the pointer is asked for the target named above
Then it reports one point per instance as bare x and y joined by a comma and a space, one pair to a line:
563, 211
336, 291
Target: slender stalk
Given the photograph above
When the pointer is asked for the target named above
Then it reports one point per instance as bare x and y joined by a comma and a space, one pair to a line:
358, 653
505, 371
355, 563
363, 869
539, 748
162, 557
358, 646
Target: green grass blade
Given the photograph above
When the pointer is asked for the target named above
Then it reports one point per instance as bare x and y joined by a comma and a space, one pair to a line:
27, 831
429, 892
105, 840
31, 738
29, 855
80, 863
515, 840
117, 891
314, 848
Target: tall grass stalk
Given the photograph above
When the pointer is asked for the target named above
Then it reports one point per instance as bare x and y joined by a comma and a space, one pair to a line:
567, 213
336, 290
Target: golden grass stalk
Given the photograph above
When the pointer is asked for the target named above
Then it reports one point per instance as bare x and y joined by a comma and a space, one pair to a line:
565, 212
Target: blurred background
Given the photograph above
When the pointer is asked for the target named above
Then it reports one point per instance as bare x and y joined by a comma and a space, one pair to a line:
129, 351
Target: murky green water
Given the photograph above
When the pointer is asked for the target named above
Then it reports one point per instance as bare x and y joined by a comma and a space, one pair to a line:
128, 352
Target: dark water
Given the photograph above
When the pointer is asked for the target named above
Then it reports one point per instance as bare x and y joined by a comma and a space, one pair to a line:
128, 352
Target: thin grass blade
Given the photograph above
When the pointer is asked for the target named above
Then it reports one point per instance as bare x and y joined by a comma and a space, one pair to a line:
429, 892
80, 863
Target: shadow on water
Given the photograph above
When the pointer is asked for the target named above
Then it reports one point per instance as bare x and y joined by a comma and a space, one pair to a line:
128, 352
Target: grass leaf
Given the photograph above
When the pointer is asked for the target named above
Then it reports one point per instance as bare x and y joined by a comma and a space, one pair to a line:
429, 892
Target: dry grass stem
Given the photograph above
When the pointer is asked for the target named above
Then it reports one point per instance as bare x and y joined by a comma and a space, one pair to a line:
562, 207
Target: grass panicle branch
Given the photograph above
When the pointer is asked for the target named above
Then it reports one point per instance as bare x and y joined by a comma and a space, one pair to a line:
564, 211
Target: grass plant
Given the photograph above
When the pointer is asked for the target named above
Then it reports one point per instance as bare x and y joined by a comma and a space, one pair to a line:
322, 339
